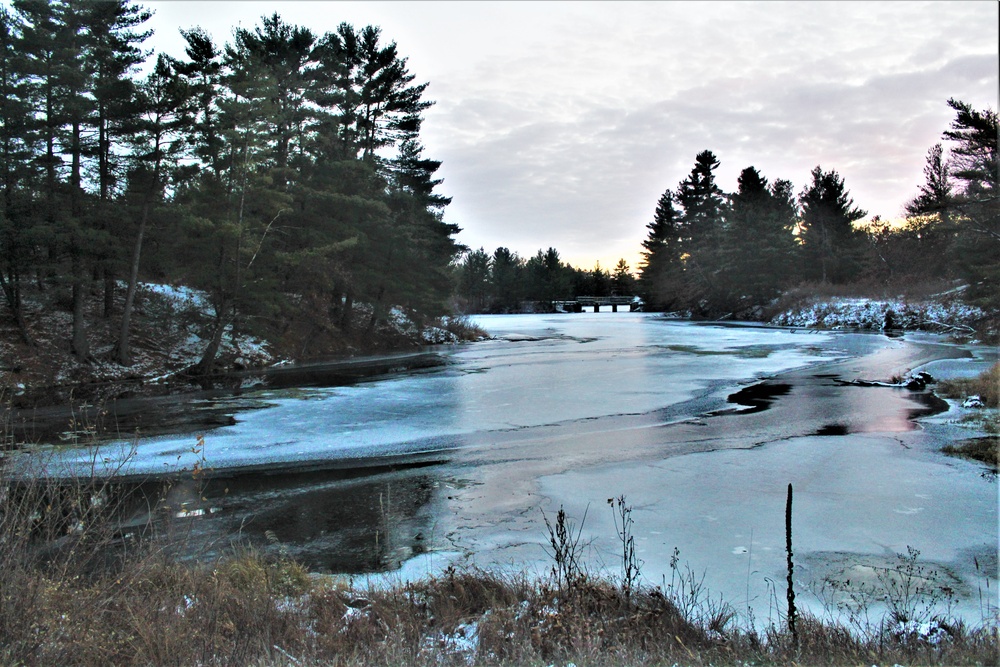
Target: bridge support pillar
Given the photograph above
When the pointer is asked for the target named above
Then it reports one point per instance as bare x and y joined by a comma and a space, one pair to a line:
597, 307
614, 308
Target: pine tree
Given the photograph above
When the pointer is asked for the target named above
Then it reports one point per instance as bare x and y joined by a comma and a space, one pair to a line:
622, 280
702, 220
759, 245
507, 281
50, 41
272, 67
547, 278
924, 246
203, 71
112, 49
599, 281
160, 144
414, 174
474, 280
974, 149
18, 224
831, 246
976, 207
370, 91
936, 192
662, 270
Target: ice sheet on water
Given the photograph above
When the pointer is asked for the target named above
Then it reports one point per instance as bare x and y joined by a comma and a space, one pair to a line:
580, 367
853, 496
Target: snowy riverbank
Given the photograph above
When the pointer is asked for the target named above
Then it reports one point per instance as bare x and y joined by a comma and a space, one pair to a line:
942, 316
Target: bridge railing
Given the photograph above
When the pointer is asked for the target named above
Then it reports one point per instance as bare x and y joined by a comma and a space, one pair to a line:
596, 302
605, 300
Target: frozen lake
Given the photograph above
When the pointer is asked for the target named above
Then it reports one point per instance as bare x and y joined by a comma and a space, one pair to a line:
456, 463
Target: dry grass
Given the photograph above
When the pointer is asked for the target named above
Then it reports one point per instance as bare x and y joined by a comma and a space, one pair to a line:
986, 386
464, 328
979, 449
65, 601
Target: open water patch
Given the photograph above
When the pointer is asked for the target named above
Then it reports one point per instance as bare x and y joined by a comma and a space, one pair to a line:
745, 352
759, 397
833, 430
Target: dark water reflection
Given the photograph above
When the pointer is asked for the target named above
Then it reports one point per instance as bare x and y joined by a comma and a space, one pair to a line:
351, 522
929, 404
759, 396
112, 411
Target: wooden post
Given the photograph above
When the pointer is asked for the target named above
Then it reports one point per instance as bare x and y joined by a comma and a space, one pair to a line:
791, 589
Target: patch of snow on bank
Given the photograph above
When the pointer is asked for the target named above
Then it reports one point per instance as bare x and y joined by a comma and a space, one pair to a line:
881, 315
179, 296
438, 336
246, 351
463, 642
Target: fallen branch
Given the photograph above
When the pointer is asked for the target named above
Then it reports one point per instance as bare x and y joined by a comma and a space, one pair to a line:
951, 326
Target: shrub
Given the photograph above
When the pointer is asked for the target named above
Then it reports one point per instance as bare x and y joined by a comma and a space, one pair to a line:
986, 386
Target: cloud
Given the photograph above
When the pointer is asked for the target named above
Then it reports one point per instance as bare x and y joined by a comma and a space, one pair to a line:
561, 123
582, 177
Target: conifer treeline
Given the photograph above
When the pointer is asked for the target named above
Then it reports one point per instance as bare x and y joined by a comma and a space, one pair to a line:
281, 172
714, 253
504, 281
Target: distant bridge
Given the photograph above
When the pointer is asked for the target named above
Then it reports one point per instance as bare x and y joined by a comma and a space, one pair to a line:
577, 304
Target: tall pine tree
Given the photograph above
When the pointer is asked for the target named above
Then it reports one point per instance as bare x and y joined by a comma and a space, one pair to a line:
759, 247
974, 136
702, 219
831, 246
662, 270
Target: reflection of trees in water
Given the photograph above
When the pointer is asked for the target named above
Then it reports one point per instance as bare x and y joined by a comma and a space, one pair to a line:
340, 521
349, 527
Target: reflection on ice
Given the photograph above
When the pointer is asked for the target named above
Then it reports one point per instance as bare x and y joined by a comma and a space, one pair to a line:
539, 370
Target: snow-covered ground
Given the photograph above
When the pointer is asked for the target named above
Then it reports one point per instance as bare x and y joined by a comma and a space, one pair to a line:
882, 314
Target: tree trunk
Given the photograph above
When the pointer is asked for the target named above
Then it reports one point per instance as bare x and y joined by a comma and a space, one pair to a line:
75, 149
204, 366
346, 313
122, 352
12, 294
109, 293
80, 346
103, 150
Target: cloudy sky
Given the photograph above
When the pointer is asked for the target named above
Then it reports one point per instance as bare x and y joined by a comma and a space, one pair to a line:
561, 123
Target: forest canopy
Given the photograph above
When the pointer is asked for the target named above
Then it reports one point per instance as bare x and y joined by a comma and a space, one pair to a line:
282, 173
713, 253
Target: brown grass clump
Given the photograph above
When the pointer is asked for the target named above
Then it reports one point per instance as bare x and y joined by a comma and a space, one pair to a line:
979, 449
464, 328
250, 610
986, 386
